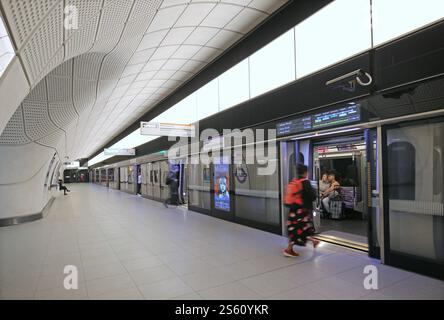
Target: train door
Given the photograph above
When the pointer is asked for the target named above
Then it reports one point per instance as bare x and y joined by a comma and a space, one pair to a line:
150, 180
156, 181
342, 159
143, 172
199, 187
110, 175
132, 179
352, 219
164, 188
123, 175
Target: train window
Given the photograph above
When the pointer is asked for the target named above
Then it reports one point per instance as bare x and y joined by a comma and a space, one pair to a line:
402, 170
156, 177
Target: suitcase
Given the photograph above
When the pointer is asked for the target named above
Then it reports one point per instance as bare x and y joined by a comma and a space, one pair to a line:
336, 209
316, 217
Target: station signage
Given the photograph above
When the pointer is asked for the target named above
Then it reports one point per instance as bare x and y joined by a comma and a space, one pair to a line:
350, 113
167, 129
72, 165
119, 152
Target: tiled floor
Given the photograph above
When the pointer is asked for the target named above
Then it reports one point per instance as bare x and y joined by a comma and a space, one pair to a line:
126, 247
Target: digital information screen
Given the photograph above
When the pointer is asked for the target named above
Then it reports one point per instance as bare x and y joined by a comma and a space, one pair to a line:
292, 126
344, 115
222, 187
349, 114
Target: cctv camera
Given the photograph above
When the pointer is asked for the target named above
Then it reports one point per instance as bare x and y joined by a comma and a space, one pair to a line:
348, 81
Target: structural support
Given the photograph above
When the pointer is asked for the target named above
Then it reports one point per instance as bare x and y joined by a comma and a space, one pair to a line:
381, 193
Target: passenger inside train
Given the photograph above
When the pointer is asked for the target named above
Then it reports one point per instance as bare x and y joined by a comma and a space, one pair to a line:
331, 194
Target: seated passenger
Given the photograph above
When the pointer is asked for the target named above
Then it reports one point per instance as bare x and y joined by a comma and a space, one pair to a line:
62, 187
324, 184
331, 192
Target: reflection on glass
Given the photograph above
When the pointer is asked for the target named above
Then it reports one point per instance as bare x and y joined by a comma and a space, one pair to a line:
416, 203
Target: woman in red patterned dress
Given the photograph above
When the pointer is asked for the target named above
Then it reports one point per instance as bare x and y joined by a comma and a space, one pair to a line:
299, 198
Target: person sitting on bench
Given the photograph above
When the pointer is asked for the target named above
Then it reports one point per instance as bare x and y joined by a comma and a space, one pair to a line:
62, 187
331, 192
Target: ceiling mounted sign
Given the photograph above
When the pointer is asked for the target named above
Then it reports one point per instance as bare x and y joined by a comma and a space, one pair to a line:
119, 152
167, 129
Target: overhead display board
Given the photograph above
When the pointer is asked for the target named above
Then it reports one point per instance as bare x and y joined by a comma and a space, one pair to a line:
345, 115
167, 129
119, 152
72, 164
350, 113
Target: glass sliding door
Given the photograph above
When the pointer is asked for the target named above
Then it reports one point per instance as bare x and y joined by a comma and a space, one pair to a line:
257, 197
413, 196
199, 187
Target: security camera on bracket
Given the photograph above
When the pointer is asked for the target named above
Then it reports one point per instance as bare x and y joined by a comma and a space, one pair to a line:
348, 82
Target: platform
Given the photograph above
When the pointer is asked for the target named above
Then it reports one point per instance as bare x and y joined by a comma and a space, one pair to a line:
127, 247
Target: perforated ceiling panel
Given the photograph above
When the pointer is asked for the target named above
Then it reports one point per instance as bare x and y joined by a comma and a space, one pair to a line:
26, 15
37, 120
124, 57
44, 43
14, 132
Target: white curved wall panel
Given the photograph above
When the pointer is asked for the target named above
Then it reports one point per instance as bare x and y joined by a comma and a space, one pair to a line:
20, 163
27, 197
89, 83
13, 90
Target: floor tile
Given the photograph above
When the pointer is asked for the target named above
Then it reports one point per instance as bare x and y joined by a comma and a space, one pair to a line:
151, 274
232, 291
109, 285
165, 289
337, 289
131, 248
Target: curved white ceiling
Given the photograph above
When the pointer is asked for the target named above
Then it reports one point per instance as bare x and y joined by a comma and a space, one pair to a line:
89, 84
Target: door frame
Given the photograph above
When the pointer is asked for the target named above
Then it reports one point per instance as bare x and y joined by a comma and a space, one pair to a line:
373, 250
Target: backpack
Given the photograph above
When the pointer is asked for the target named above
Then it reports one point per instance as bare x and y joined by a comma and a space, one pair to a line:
293, 193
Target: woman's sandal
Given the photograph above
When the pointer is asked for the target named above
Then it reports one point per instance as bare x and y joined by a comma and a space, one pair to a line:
315, 243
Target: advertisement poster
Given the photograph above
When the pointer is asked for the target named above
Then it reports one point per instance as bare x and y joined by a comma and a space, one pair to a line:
222, 187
